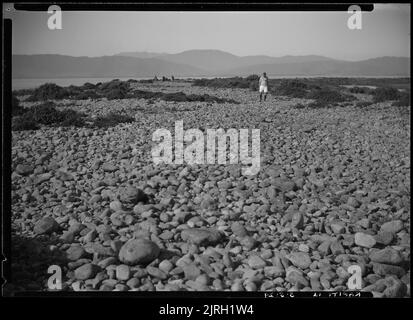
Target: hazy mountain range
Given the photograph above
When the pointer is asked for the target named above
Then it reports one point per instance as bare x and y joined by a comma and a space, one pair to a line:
200, 63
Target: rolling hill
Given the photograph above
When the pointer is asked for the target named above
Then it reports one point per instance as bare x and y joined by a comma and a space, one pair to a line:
201, 63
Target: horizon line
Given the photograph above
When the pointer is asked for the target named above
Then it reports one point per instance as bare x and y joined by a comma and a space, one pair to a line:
239, 56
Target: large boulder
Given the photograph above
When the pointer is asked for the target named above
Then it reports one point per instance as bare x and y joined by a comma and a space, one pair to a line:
130, 194
138, 251
46, 225
201, 236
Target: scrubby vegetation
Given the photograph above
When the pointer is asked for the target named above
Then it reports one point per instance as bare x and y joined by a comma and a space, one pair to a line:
49, 91
178, 97
364, 90
292, 88
399, 98
403, 100
16, 108
296, 88
47, 114
23, 92
111, 90
23, 122
234, 82
326, 95
385, 94
111, 120
299, 106
363, 104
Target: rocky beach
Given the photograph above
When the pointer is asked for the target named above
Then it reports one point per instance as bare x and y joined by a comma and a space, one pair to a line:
333, 190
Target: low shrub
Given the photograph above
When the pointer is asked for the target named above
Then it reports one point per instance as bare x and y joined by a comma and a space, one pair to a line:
71, 117
47, 114
299, 106
117, 93
16, 108
88, 94
146, 81
403, 100
317, 105
111, 120
363, 90
292, 88
363, 104
326, 96
385, 94
49, 91
177, 97
23, 122
23, 92
234, 82
254, 86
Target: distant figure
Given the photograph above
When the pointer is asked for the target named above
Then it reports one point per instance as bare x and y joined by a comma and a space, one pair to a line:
155, 79
263, 83
172, 77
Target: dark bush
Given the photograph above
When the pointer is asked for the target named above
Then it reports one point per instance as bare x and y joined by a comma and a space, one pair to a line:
363, 104
89, 85
114, 84
177, 97
45, 113
252, 77
111, 120
318, 105
364, 90
23, 92
49, 91
403, 100
326, 95
292, 88
16, 108
88, 94
23, 122
117, 93
234, 82
299, 106
254, 85
146, 81
72, 118
385, 94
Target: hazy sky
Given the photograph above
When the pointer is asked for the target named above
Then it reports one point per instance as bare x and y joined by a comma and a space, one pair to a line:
385, 32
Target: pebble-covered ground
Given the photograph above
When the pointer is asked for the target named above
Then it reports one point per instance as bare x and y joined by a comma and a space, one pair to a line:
333, 191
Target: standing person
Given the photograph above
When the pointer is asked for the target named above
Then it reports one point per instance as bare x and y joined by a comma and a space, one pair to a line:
263, 83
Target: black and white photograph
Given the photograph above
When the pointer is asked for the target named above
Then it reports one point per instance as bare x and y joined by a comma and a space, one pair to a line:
206, 151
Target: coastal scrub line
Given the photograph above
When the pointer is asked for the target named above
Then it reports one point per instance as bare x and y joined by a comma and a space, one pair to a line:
211, 149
